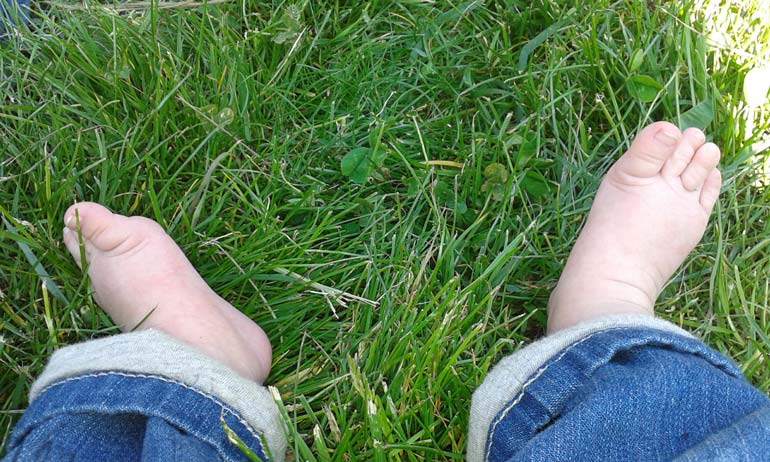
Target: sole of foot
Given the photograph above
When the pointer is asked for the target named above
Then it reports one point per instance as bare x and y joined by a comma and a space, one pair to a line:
650, 211
143, 280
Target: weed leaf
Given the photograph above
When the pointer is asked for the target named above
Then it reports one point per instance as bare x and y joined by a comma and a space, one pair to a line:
496, 176
637, 58
357, 164
699, 116
643, 87
536, 184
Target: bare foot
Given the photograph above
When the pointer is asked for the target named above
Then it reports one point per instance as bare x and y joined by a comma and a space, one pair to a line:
650, 211
137, 270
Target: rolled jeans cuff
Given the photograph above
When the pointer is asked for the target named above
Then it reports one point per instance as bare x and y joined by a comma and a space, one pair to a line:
150, 374
529, 391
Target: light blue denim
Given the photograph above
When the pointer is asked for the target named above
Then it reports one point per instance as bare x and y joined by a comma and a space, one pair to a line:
633, 394
116, 416
12, 12
144, 396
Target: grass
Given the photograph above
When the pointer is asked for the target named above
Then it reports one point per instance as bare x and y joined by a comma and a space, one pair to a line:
387, 301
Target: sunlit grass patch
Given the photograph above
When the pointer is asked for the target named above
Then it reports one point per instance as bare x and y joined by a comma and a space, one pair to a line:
739, 58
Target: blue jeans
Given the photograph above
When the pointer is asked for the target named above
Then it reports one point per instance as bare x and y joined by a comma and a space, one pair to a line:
11, 13
621, 388
144, 396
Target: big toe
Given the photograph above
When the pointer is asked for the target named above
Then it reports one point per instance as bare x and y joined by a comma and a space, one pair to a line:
650, 150
100, 228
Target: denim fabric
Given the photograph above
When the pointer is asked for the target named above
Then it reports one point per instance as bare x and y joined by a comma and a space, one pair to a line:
617, 394
115, 416
633, 394
507, 378
11, 12
153, 353
740, 442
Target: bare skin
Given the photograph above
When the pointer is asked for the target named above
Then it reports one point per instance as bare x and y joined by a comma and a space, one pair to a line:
649, 213
136, 269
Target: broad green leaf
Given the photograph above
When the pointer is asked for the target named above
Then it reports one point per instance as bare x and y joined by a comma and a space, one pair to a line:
289, 25
535, 184
413, 185
446, 196
496, 190
699, 116
636, 60
527, 152
643, 87
357, 164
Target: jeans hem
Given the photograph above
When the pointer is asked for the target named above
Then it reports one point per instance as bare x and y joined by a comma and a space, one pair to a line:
153, 353
504, 382
161, 414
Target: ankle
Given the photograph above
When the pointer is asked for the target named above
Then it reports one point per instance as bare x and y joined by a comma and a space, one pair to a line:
579, 304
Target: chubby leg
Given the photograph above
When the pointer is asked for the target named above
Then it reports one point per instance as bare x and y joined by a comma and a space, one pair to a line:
610, 381
182, 383
143, 281
650, 211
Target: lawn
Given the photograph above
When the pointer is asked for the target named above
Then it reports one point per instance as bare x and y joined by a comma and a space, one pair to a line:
389, 188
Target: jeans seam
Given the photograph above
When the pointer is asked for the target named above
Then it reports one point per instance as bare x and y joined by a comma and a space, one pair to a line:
520, 395
163, 379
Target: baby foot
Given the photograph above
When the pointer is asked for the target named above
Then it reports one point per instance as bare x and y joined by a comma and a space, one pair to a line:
143, 280
650, 211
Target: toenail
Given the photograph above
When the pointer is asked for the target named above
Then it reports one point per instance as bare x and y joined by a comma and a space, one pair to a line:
667, 138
